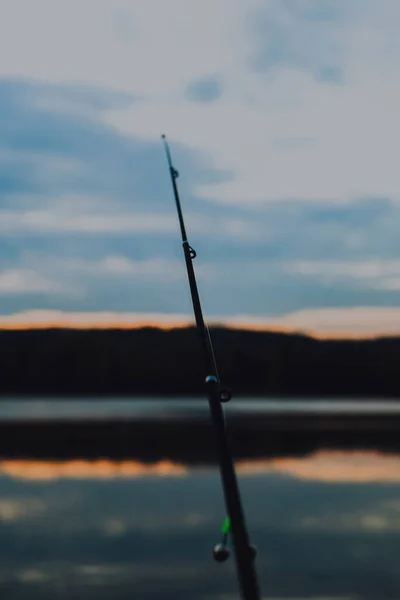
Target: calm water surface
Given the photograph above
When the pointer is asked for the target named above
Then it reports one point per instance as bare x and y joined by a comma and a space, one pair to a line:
327, 526
163, 407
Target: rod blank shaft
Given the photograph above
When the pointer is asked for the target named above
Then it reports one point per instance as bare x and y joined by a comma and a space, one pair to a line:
244, 558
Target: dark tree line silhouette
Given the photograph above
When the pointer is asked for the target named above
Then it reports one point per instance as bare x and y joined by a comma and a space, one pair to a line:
152, 361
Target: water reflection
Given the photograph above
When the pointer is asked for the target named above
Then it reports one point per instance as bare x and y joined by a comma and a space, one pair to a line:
332, 466
326, 526
323, 465
84, 469
56, 409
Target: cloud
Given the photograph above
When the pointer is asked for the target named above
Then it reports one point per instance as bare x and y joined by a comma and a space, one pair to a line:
375, 274
255, 107
310, 36
269, 262
280, 126
156, 269
170, 53
113, 266
69, 219
358, 320
24, 281
207, 89
53, 221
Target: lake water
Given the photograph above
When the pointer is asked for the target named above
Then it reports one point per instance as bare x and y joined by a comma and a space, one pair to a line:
327, 526
169, 408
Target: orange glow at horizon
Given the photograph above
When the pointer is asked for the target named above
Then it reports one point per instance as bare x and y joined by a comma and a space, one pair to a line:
327, 466
321, 323
318, 335
72, 325
15, 326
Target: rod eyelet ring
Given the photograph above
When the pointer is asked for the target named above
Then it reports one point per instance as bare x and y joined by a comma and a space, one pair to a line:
225, 395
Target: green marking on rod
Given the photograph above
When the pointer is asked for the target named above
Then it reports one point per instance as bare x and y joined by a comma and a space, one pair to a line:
226, 527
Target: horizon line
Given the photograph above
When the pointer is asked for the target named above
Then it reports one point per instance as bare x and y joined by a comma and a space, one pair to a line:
328, 323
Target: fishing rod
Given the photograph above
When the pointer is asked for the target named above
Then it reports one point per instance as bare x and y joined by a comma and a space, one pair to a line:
234, 524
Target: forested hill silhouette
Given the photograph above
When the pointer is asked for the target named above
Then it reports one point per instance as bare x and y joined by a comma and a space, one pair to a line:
152, 361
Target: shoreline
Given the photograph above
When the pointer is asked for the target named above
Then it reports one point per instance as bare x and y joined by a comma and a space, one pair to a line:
192, 441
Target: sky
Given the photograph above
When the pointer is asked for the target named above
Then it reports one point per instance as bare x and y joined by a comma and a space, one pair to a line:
282, 120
